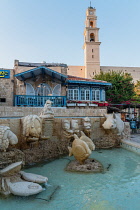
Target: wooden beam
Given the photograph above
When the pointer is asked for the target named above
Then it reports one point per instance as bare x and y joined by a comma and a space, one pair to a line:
23, 78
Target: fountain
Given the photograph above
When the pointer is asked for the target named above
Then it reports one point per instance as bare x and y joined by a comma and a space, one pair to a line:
41, 137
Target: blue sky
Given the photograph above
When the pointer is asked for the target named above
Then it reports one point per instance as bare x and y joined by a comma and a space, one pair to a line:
52, 31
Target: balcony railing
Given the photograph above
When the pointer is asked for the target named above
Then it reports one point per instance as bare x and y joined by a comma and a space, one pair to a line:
39, 101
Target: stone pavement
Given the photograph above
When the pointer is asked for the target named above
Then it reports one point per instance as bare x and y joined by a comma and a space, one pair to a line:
135, 137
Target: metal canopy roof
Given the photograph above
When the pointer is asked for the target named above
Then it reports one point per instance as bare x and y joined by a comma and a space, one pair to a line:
32, 73
88, 82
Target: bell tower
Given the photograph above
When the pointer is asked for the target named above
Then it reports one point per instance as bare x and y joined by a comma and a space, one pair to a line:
91, 44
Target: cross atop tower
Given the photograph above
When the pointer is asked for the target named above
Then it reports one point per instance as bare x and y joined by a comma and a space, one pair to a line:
90, 6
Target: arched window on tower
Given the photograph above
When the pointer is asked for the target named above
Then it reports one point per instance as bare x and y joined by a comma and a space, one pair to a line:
92, 37
91, 24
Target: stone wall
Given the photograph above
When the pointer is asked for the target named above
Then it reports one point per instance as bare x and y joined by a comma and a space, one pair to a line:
6, 111
7, 90
57, 141
134, 71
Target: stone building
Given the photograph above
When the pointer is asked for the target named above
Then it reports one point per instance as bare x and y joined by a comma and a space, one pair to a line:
31, 84
6, 87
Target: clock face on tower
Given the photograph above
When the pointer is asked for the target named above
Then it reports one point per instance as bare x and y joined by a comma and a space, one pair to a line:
90, 12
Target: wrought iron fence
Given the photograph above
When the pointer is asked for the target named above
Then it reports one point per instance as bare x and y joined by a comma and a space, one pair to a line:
39, 101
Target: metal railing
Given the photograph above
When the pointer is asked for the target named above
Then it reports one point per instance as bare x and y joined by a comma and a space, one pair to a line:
39, 101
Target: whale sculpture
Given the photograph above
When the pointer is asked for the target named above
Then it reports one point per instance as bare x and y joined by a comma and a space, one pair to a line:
16, 182
79, 150
115, 123
7, 137
88, 141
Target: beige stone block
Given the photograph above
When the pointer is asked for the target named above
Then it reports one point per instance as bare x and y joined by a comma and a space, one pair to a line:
5, 114
1, 109
18, 109
1, 114
15, 126
9, 109
17, 113
4, 121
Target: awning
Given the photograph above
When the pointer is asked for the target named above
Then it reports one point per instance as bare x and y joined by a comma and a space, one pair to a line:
88, 82
32, 73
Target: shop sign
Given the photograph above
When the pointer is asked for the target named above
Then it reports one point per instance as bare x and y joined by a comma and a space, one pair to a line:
5, 74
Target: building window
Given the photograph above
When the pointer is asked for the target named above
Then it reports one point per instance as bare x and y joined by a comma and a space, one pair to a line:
85, 94
43, 90
73, 94
29, 89
103, 95
57, 90
95, 95
92, 37
3, 100
92, 56
92, 50
91, 24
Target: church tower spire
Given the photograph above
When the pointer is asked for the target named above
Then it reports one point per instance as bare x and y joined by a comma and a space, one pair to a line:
91, 44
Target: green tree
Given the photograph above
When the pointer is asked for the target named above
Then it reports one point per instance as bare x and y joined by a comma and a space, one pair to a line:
137, 88
136, 99
122, 86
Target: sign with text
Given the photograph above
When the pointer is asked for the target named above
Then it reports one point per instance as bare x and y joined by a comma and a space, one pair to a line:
5, 74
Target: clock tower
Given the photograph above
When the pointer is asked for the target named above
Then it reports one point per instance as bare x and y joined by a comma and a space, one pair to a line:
91, 44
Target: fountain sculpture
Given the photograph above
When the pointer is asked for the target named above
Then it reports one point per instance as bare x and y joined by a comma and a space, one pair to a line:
79, 149
31, 128
88, 141
75, 126
67, 131
16, 182
47, 111
87, 126
7, 137
114, 122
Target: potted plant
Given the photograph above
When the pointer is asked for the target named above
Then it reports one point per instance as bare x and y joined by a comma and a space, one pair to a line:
81, 103
71, 103
93, 103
